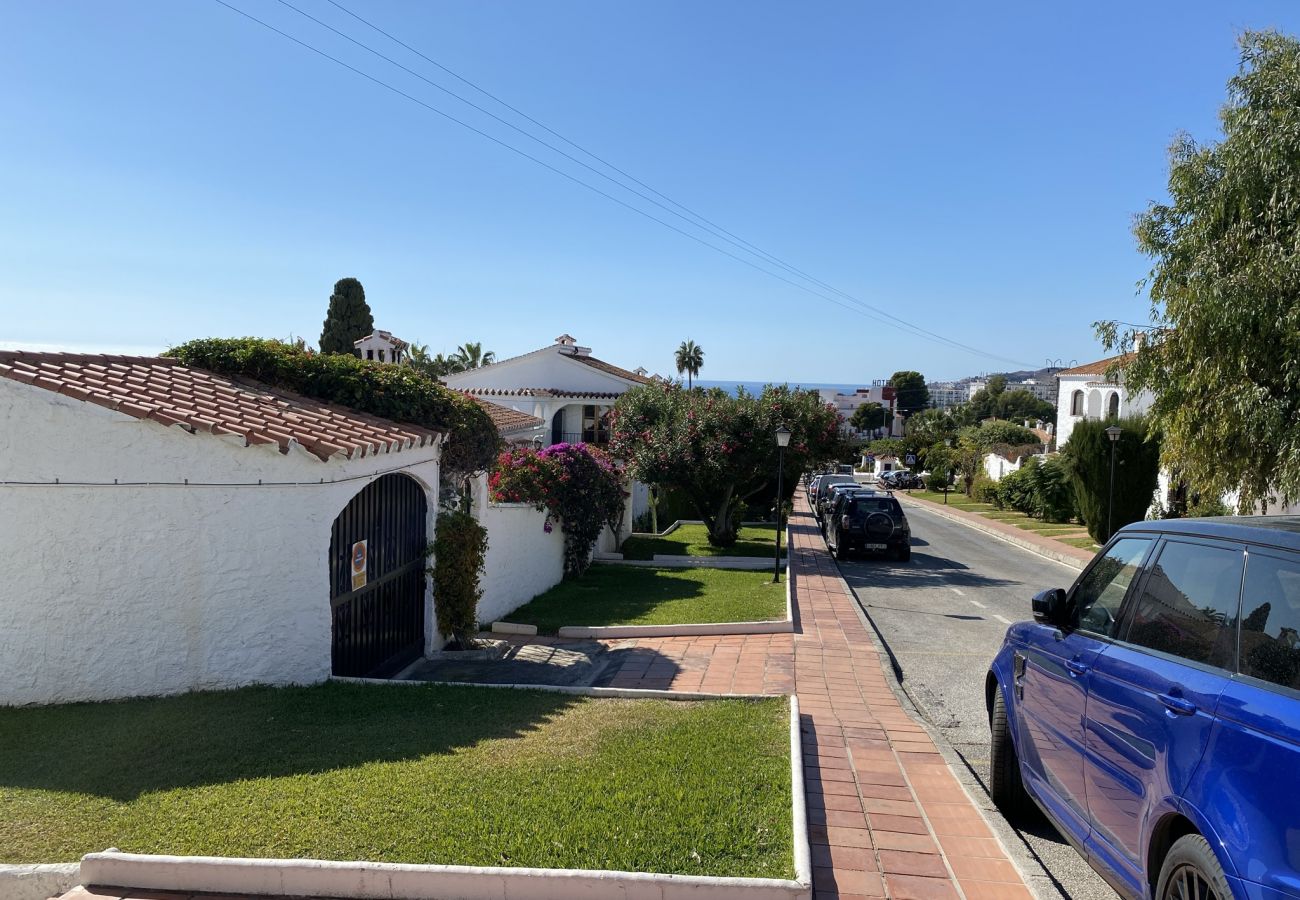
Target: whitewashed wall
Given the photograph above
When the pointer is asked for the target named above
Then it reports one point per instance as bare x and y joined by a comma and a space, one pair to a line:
122, 591
522, 559
1097, 400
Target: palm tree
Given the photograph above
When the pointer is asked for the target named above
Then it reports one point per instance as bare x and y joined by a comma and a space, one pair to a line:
690, 358
471, 356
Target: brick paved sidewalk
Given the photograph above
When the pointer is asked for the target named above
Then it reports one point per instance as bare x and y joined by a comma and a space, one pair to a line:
887, 818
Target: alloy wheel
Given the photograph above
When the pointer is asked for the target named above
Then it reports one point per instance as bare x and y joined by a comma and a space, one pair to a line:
1189, 883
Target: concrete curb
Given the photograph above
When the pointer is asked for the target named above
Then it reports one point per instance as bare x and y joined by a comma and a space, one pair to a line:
1061, 557
601, 632
45, 880
390, 881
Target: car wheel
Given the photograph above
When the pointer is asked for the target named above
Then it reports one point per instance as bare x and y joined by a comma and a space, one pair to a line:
1190, 872
1005, 786
841, 551
904, 554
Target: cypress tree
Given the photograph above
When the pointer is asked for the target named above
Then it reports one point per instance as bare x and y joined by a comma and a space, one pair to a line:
348, 320
1137, 468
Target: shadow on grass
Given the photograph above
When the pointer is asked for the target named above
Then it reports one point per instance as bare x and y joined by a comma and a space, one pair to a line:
124, 749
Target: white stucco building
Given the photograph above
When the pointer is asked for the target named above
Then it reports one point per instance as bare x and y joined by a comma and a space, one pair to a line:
382, 346
171, 530
847, 404
946, 394
570, 390
1084, 392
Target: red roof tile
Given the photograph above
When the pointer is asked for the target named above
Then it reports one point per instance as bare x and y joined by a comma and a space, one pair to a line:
543, 392
1097, 368
609, 368
505, 418
165, 391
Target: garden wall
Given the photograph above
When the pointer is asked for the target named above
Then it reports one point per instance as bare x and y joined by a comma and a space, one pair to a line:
122, 590
522, 559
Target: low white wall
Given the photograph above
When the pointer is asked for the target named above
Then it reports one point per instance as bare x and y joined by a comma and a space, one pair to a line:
118, 591
522, 559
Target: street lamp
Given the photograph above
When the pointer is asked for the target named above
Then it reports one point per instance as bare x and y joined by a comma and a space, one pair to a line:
947, 442
1113, 432
782, 441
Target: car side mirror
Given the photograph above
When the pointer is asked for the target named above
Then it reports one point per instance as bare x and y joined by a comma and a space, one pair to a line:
1049, 606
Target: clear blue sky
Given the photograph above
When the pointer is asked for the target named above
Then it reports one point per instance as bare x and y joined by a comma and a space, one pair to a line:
169, 169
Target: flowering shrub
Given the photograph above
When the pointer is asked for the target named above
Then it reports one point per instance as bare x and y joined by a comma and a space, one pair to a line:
575, 483
720, 451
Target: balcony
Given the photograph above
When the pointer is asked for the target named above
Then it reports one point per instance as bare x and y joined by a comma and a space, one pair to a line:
593, 437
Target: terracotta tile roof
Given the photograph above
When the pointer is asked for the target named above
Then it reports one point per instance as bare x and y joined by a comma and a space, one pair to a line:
1099, 367
165, 391
609, 368
543, 393
505, 418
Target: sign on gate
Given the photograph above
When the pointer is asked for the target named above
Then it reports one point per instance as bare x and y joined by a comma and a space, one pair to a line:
358, 565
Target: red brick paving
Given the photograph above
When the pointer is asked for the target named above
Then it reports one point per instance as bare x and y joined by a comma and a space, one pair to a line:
886, 816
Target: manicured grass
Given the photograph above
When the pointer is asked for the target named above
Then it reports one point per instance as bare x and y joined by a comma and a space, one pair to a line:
693, 540
649, 595
1085, 543
1011, 517
427, 774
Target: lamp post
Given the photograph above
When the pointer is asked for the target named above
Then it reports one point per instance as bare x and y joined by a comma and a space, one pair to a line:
947, 442
1113, 432
782, 441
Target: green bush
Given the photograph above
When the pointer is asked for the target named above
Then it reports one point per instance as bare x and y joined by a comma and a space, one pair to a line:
937, 481
392, 392
1087, 458
1054, 491
1017, 491
459, 549
985, 490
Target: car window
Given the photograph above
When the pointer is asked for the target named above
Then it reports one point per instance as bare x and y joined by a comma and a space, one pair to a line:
865, 506
1098, 595
1188, 606
1270, 623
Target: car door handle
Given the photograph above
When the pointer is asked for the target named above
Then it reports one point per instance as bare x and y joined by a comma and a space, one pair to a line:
1077, 668
1178, 704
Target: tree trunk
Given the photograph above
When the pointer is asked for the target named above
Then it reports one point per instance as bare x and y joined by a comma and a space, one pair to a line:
720, 521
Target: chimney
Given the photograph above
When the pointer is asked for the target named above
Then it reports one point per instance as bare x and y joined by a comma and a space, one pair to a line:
566, 340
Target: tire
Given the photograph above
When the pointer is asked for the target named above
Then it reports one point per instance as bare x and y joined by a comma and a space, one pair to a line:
904, 554
1190, 860
841, 552
1005, 786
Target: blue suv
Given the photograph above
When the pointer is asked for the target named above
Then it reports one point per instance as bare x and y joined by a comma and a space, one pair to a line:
1153, 710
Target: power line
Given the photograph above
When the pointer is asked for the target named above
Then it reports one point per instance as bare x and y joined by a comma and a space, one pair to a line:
879, 315
701, 221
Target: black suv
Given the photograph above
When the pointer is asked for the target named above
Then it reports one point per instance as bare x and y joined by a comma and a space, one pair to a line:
868, 520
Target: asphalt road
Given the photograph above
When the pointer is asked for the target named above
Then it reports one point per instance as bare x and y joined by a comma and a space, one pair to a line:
943, 616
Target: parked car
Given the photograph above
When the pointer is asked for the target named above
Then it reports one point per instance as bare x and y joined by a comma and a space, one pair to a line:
824, 488
1152, 711
828, 502
868, 521
812, 487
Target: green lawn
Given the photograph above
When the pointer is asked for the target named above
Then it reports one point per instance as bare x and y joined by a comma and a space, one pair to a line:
428, 774
1085, 543
693, 540
646, 595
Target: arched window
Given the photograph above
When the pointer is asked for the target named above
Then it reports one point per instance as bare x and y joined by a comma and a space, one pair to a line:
1112, 407
1076, 404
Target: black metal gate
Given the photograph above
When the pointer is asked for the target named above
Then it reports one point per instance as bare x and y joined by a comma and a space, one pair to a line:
378, 626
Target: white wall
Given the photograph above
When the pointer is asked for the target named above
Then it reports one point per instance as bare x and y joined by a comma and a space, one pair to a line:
522, 559
546, 368
120, 591
1096, 396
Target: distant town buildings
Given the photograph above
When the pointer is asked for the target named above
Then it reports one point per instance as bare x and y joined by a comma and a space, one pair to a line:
847, 405
944, 394
1042, 390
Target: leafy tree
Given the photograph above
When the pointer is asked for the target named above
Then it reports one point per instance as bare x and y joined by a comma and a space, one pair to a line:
348, 319
391, 392
471, 356
1223, 356
1137, 466
869, 417
720, 451
993, 433
1019, 405
910, 391
459, 550
996, 385
887, 447
690, 359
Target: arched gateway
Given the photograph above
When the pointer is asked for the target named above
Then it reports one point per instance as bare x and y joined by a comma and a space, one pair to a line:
377, 578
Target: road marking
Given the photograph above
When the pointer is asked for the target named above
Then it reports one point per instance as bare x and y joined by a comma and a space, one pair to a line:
977, 603
957, 592
1002, 620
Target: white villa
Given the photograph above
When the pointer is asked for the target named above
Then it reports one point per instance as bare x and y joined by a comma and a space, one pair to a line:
563, 385
1084, 392
382, 346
